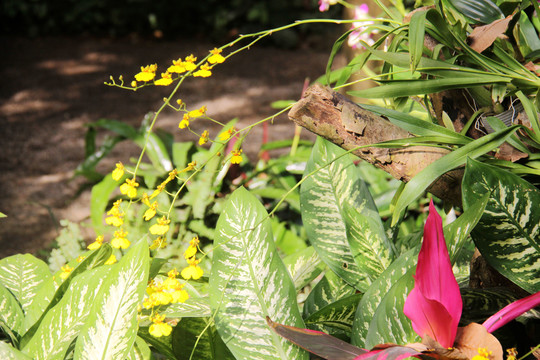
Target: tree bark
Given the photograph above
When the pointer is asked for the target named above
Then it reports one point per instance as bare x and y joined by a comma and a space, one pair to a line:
339, 120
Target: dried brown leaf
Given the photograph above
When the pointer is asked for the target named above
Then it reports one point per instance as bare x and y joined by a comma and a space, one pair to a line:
483, 36
474, 336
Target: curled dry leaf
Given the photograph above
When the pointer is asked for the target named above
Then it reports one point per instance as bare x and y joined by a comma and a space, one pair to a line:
483, 36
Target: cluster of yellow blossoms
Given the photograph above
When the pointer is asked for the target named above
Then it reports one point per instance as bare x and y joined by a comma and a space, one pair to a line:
193, 270
163, 292
483, 354
148, 73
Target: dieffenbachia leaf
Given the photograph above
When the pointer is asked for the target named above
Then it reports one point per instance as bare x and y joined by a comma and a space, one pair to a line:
508, 234
11, 314
8, 352
389, 323
53, 288
303, 266
250, 282
374, 296
336, 318
331, 182
197, 338
23, 275
111, 327
140, 351
329, 289
62, 323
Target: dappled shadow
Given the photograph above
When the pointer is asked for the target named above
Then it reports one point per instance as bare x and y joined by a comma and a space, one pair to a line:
52, 87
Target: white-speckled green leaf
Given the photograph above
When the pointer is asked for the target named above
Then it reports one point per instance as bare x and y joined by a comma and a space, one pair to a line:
111, 328
23, 275
250, 282
369, 245
336, 318
140, 351
304, 266
389, 323
376, 292
193, 307
333, 181
62, 323
8, 352
53, 288
329, 289
11, 314
508, 234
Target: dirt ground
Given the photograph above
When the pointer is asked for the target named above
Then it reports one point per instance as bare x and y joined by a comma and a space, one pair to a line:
52, 87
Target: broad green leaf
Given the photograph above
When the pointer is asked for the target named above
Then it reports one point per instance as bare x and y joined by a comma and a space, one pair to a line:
53, 289
328, 290
370, 247
303, 266
23, 275
110, 330
8, 352
458, 157
389, 323
250, 282
483, 11
336, 318
101, 193
374, 296
62, 324
457, 232
180, 154
195, 338
417, 28
331, 180
480, 304
155, 150
140, 350
195, 306
11, 314
508, 234
119, 127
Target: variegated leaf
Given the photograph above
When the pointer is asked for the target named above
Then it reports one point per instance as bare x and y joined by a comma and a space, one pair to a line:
249, 282
331, 181
53, 288
8, 352
369, 245
11, 314
140, 351
336, 318
23, 275
508, 234
304, 266
62, 323
389, 323
193, 307
374, 296
111, 328
196, 338
329, 289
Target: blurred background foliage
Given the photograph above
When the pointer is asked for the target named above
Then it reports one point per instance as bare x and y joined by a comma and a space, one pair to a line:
215, 19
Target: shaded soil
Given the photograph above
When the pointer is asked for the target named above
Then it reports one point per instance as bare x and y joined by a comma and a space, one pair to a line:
52, 87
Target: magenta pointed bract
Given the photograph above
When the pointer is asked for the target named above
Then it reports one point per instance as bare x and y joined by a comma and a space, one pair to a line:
434, 305
511, 311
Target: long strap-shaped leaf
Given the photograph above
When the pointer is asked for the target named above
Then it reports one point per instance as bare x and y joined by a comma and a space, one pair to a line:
430, 173
111, 328
249, 282
508, 234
